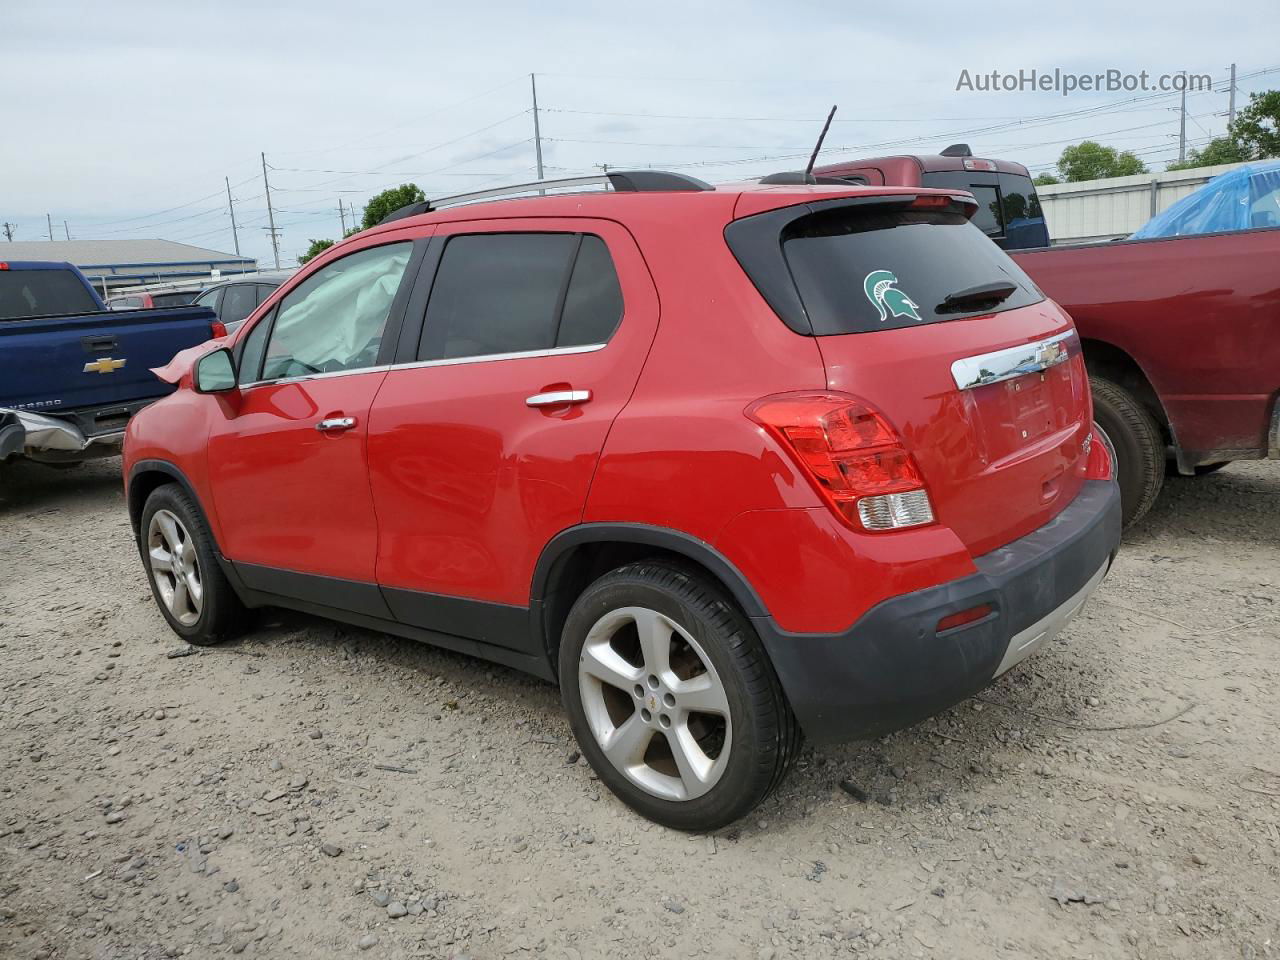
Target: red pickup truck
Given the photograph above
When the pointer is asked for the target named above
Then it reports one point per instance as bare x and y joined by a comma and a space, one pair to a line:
1181, 335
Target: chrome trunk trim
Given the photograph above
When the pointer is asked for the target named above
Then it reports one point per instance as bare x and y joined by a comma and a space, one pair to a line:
1013, 362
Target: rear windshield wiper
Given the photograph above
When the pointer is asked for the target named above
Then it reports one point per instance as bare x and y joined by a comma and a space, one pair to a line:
972, 297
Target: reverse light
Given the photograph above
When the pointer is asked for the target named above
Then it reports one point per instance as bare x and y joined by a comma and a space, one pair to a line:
1099, 456
852, 455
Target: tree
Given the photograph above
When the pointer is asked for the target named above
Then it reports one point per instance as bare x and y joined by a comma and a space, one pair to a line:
1217, 150
1090, 160
1045, 179
389, 201
317, 246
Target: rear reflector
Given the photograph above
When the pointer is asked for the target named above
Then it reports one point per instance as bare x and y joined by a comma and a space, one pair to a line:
972, 615
851, 454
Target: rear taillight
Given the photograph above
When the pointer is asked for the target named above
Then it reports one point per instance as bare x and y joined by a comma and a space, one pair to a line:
4, 266
1099, 456
218, 328
853, 456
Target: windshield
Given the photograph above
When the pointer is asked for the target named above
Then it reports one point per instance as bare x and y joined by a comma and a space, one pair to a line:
882, 269
36, 293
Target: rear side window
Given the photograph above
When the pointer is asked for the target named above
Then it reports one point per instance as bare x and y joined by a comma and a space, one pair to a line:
171, 299
34, 293
883, 268
125, 303
501, 293
210, 298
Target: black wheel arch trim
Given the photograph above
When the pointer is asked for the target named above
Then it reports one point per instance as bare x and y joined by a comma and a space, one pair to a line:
560, 546
136, 504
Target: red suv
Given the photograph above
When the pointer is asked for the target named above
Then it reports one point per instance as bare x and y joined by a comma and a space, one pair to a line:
728, 463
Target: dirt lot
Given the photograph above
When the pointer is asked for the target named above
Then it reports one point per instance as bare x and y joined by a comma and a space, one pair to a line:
290, 794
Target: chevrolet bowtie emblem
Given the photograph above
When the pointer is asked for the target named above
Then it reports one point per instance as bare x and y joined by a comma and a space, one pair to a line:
105, 365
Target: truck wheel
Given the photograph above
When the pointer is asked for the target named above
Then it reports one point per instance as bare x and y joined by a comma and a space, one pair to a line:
1138, 443
189, 586
672, 698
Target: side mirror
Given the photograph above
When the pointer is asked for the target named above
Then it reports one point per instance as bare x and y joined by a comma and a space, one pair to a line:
215, 372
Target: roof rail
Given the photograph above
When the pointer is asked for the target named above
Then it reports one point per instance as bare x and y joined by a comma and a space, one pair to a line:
622, 181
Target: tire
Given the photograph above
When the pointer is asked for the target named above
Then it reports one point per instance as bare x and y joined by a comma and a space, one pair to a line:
734, 758
1171, 469
173, 526
1139, 446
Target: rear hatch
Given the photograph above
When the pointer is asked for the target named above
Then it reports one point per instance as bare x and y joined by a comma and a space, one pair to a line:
69, 361
920, 316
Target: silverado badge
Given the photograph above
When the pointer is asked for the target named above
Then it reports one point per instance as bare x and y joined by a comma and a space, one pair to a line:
886, 298
105, 365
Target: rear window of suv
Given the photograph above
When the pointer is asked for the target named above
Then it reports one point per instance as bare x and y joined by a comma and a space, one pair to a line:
859, 270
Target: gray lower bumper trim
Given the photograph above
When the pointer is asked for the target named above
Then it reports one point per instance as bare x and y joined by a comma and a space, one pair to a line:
1028, 641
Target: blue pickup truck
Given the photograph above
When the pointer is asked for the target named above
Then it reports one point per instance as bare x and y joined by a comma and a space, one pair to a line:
72, 373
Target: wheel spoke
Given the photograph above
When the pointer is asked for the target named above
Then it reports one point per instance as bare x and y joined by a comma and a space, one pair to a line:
694, 765
601, 661
702, 694
161, 560
626, 745
654, 631
195, 589
181, 600
169, 530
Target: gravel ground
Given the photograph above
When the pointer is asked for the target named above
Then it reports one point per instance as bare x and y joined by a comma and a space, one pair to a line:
320, 791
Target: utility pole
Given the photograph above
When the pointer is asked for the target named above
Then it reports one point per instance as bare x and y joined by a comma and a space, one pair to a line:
271, 217
1231, 102
49, 220
342, 215
537, 132
1182, 121
66, 229
8, 230
235, 234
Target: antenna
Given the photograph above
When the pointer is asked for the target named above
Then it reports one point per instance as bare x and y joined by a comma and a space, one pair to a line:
818, 146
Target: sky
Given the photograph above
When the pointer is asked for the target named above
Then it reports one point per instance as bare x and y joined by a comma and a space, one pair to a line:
123, 119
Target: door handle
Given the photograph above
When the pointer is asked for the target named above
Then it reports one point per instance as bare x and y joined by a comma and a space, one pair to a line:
335, 424
558, 398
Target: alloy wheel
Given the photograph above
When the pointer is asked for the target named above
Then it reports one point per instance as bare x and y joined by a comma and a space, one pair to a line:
654, 703
171, 553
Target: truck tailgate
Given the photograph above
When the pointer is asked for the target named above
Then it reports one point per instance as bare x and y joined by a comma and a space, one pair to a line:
75, 360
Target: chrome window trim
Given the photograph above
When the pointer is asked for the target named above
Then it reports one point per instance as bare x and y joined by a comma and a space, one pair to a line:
378, 368
493, 357
450, 362
1013, 362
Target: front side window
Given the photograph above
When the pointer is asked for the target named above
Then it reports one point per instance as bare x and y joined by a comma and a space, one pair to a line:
333, 321
501, 293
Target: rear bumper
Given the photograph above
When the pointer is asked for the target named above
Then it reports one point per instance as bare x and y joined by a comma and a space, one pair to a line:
892, 668
66, 437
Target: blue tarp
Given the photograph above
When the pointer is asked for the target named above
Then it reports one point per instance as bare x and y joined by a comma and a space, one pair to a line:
1239, 199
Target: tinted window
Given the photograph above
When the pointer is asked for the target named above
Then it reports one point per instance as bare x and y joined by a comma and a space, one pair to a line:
989, 217
240, 300
334, 319
170, 299
858, 271
255, 343
593, 303
496, 293
33, 293
210, 298
504, 293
